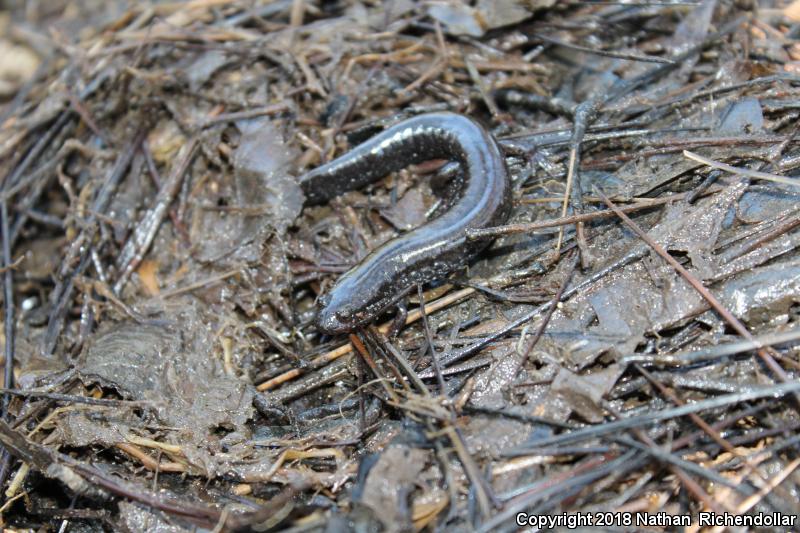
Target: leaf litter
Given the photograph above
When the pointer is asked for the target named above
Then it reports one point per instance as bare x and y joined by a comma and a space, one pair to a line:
160, 269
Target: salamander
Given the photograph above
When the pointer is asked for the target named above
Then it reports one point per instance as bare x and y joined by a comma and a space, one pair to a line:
480, 198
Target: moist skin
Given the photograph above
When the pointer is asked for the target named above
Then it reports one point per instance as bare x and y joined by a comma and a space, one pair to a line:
481, 199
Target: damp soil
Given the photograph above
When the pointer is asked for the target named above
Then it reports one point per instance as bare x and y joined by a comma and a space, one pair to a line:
628, 343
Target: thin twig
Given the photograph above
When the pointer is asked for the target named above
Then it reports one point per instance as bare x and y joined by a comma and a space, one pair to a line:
548, 314
345, 349
605, 53
73, 398
607, 428
512, 229
755, 174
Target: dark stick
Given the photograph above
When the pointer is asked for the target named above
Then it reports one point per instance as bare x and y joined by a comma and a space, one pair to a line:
606, 53
590, 432
63, 290
550, 310
8, 304
71, 398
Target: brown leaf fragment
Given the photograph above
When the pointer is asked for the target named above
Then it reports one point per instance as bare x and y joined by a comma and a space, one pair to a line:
389, 484
147, 275
409, 212
584, 393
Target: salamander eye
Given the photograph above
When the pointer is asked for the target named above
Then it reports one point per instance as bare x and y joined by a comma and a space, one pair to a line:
346, 312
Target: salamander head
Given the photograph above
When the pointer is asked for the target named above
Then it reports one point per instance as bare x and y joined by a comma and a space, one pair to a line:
358, 297
336, 313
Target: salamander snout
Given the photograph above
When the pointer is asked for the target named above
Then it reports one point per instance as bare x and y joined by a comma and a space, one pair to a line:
334, 317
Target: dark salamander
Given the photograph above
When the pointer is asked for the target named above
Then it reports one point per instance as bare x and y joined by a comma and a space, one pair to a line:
482, 198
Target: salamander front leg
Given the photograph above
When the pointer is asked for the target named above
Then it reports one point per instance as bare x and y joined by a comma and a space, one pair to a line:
400, 318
